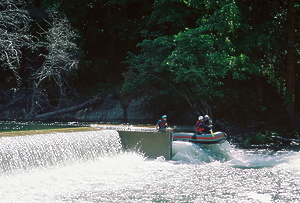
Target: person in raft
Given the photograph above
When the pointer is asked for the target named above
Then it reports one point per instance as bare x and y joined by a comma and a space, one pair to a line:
201, 127
207, 121
162, 124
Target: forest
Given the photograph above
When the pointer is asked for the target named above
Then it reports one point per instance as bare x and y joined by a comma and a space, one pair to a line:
232, 59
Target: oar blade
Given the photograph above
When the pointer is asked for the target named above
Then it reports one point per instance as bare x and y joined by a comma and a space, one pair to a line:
212, 133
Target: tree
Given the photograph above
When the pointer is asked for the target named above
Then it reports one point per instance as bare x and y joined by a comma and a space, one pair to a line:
291, 64
60, 61
235, 54
14, 37
273, 39
195, 62
45, 57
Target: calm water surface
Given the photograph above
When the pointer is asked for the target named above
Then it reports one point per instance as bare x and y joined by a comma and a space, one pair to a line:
92, 167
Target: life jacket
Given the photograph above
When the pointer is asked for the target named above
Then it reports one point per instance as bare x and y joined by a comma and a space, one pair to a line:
199, 126
162, 123
208, 122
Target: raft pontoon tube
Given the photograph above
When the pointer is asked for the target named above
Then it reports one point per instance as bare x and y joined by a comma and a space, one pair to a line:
200, 138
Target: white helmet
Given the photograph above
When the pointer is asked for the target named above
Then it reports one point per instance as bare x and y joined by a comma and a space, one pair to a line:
200, 118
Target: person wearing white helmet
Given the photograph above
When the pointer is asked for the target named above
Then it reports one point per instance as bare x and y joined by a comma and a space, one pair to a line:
207, 121
201, 127
162, 124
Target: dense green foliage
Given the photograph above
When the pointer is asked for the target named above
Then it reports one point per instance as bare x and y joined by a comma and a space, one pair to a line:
233, 59
225, 58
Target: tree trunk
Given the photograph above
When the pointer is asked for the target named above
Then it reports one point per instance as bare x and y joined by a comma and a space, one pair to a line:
125, 104
291, 64
95, 101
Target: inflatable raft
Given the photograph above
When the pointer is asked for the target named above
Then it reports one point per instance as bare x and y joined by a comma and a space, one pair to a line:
200, 138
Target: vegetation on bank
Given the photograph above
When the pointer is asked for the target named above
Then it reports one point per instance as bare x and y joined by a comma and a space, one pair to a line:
231, 59
282, 139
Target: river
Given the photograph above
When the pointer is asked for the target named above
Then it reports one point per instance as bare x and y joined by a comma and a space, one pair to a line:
92, 167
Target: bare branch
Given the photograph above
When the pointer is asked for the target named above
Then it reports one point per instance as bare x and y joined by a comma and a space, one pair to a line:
14, 27
61, 60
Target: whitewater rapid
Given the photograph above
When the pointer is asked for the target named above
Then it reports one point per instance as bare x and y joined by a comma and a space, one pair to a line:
93, 167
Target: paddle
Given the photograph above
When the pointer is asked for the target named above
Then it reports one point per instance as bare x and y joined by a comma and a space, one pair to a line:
212, 133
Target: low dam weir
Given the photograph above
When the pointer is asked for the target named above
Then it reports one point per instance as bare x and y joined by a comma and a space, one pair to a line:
148, 141
43, 150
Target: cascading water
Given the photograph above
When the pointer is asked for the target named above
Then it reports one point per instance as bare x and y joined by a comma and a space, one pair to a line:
92, 167
27, 152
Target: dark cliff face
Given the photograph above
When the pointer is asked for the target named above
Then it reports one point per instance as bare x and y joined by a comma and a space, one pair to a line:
15, 104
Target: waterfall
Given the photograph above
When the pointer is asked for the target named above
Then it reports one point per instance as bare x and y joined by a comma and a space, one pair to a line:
44, 150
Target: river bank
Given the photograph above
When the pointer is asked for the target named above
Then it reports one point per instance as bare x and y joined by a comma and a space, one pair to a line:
245, 134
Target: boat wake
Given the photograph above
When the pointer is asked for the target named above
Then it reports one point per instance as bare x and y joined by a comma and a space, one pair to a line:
187, 152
